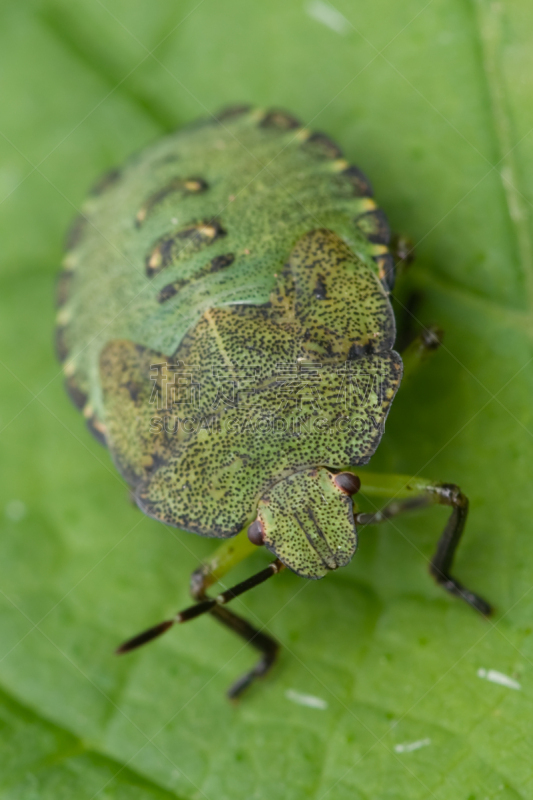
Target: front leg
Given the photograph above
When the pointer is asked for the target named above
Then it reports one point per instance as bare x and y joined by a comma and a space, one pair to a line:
417, 493
230, 553
223, 559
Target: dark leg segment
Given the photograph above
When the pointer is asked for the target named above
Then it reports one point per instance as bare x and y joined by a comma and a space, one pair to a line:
267, 646
201, 579
423, 494
441, 563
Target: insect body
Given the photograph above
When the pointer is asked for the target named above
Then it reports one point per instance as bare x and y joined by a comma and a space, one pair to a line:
225, 326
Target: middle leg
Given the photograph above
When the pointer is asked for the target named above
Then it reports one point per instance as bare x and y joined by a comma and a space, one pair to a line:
417, 493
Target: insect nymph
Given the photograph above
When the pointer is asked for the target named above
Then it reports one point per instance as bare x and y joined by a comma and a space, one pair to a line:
226, 328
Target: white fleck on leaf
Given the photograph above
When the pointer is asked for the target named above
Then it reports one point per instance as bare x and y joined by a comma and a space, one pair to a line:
494, 676
329, 16
410, 746
308, 700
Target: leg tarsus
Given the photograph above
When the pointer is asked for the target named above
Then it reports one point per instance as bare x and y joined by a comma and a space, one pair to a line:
458, 590
266, 645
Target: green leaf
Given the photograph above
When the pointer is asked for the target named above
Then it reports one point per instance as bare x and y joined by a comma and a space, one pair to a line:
417, 696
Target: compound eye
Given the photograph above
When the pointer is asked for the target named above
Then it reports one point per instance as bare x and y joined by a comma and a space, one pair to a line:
347, 482
256, 533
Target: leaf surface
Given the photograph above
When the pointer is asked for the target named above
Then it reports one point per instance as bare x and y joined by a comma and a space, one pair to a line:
386, 688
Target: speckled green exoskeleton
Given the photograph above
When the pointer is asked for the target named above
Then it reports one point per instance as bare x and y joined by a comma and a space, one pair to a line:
225, 326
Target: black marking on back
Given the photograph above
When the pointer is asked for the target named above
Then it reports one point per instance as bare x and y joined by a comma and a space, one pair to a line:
219, 262
358, 351
359, 181
196, 231
182, 185
63, 284
216, 264
78, 397
75, 232
323, 145
169, 291
279, 119
186, 241
60, 343
107, 180
228, 112
375, 226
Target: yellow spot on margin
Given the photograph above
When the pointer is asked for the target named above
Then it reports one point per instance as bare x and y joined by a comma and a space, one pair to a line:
339, 165
193, 186
367, 204
63, 316
207, 230
99, 426
302, 135
69, 262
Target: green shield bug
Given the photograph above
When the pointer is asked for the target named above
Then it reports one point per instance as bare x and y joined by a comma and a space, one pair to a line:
225, 326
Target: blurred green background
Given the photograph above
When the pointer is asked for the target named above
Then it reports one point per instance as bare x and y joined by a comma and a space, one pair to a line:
415, 695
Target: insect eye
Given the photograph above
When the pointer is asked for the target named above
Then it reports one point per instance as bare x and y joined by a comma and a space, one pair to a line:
347, 482
256, 533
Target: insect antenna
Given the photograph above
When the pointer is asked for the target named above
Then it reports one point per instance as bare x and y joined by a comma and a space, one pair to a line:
200, 608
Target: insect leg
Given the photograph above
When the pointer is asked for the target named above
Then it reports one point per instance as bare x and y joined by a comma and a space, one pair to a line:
422, 347
225, 557
267, 646
416, 493
403, 252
